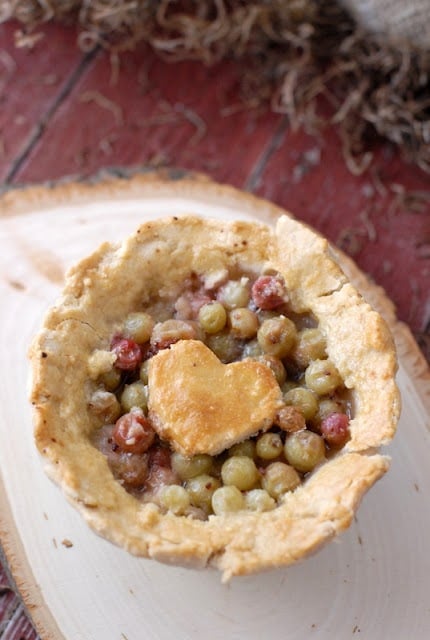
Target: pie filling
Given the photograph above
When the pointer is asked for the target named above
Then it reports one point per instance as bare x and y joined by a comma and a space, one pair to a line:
239, 318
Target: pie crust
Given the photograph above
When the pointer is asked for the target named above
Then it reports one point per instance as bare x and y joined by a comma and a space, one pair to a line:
155, 261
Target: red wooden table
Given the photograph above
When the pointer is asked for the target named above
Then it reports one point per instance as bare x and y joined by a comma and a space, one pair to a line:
65, 113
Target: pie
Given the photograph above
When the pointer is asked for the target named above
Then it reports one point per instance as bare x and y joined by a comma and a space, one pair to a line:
214, 394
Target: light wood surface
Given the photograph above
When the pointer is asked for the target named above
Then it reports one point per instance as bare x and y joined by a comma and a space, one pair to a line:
374, 580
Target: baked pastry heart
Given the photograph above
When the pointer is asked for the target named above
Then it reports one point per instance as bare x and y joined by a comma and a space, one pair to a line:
90, 393
193, 398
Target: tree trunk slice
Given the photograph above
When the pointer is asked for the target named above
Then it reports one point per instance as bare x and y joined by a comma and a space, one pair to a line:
76, 585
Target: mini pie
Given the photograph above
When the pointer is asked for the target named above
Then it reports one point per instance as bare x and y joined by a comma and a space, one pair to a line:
214, 394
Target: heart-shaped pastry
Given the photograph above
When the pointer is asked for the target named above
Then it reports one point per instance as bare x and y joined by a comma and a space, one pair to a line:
200, 405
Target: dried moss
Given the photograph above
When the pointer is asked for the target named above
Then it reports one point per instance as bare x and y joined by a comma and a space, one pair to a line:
300, 55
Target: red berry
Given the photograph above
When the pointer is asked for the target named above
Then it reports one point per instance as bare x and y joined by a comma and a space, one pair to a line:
335, 429
189, 303
133, 432
128, 354
268, 292
160, 457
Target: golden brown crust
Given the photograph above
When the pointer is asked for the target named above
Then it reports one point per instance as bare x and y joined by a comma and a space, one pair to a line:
358, 339
153, 262
193, 398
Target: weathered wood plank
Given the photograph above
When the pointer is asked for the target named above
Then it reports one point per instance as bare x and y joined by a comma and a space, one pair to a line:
31, 80
154, 113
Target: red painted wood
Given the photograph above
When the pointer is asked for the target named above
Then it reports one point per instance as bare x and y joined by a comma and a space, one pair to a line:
156, 113
30, 80
8, 601
19, 626
14, 622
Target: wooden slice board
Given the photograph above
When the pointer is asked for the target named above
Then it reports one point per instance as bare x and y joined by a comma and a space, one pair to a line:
375, 580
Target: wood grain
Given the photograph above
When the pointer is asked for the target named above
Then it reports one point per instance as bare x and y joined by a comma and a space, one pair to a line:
31, 86
153, 114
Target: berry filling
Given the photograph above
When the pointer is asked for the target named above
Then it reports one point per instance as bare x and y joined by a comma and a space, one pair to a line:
238, 317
